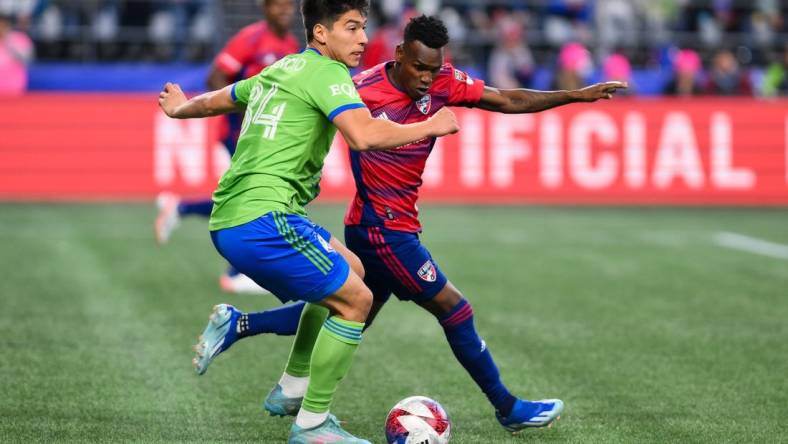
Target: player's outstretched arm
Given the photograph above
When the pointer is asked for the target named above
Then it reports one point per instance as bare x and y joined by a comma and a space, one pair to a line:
518, 101
174, 103
363, 133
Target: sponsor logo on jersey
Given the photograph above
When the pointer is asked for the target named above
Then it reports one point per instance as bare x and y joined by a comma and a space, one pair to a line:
424, 104
427, 272
344, 88
326, 246
382, 116
292, 64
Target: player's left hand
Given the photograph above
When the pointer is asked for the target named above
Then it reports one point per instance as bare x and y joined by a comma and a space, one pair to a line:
599, 91
170, 98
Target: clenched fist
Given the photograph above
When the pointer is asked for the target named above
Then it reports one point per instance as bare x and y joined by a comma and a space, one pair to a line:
170, 98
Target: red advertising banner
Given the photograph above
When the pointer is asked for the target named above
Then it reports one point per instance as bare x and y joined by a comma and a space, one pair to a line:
626, 151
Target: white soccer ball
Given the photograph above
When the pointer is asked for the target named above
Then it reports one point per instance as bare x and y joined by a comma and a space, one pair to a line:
418, 420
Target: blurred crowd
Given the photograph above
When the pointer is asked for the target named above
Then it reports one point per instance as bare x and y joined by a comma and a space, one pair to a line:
112, 30
672, 47
689, 47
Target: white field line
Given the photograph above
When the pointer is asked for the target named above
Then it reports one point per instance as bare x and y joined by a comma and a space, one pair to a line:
751, 245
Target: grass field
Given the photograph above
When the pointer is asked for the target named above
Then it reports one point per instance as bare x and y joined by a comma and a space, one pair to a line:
638, 319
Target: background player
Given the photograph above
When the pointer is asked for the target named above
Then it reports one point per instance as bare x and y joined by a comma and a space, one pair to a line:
258, 222
382, 223
246, 54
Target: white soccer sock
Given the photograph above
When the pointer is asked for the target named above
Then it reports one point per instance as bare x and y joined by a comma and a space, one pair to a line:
293, 386
308, 420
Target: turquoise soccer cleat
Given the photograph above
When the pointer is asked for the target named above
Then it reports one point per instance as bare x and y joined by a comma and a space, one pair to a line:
328, 432
277, 404
168, 218
527, 414
218, 336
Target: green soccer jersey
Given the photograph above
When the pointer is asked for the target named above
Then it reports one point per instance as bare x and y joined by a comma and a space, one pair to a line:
285, 136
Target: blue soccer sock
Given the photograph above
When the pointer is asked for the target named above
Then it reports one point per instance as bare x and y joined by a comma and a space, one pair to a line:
282, 321
198, 207
472, 353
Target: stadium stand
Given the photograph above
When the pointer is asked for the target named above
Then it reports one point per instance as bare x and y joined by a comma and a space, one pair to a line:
647, 35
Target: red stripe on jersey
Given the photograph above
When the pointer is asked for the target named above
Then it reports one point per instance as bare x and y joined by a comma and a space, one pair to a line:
396, 267
392, 261
381, 252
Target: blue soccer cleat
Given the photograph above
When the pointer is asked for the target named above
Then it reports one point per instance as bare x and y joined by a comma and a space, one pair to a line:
277, 404
328, 432
526, 414
218, 336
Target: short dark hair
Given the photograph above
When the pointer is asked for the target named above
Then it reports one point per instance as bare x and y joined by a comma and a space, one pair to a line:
326, 12
428, 30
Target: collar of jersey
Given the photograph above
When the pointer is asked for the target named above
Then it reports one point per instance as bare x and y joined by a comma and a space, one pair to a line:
309, 48
386, 76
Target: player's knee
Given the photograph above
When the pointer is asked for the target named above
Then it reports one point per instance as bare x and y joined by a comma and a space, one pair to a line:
445, 301
359, 304
364, 302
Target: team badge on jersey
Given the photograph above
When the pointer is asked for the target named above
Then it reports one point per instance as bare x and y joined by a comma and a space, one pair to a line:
427, 272
462, 77
424, 104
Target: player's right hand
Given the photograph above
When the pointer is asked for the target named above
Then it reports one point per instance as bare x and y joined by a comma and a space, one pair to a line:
444, 122
170, 98
599, 91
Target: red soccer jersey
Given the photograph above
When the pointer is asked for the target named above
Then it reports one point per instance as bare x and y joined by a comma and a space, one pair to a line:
387, 182
252, 49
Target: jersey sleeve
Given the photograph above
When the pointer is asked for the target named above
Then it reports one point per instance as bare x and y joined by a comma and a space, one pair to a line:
463, 89
332, 91
235, 54
242, 89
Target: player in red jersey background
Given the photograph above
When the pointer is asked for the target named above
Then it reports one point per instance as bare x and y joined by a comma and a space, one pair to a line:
247, 53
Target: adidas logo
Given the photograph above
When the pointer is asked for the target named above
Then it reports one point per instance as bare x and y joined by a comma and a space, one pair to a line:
383, 116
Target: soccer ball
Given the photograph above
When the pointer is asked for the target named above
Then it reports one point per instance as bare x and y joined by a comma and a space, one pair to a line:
418, 420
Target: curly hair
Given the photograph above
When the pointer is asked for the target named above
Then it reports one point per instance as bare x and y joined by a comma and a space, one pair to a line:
428, 30
326, 12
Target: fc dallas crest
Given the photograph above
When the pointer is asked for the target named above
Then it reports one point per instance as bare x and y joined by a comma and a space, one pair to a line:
427, 272
424, 104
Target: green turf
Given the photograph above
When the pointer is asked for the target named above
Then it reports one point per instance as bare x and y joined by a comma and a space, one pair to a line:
634, 317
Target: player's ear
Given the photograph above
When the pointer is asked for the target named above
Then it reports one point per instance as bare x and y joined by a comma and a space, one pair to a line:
320, 33
399, 54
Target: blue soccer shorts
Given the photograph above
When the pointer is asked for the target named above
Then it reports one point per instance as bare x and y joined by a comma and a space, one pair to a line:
287, 254
395, 262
